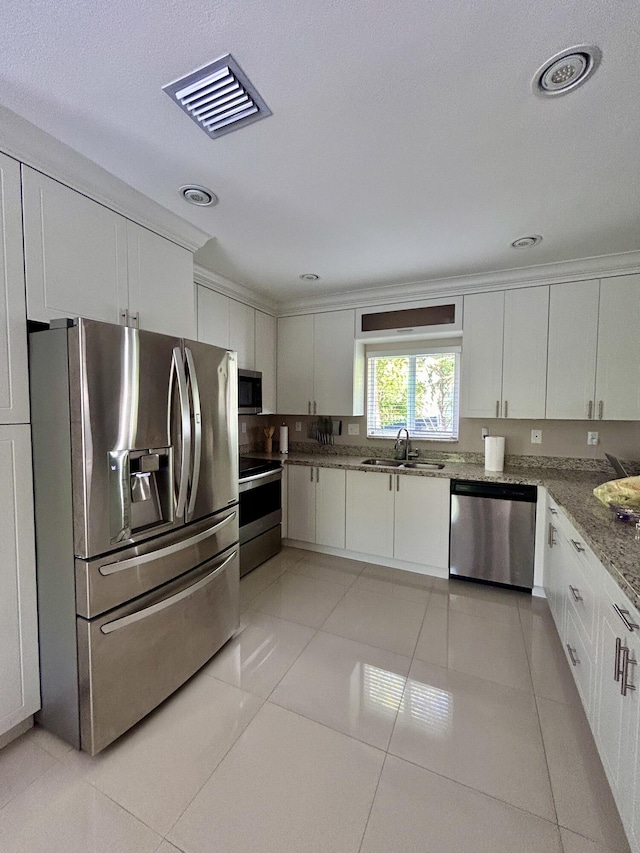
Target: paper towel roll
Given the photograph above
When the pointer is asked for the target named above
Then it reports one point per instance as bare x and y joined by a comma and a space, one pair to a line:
494, 453
284, 439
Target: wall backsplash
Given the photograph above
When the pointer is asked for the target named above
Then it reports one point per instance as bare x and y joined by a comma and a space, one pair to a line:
559, 438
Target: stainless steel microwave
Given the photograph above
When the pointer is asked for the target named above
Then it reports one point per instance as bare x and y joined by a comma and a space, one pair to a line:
249, 392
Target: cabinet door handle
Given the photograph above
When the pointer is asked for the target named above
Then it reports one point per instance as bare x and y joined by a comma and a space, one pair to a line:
590, 410
575, 660
397, 482
497, 408
617, 672
315, 408
390, 482
317, 475
506, 409
579, 548
550, 539
625, 616
575, 592
309, 406
311, 480
600, 409
627, 661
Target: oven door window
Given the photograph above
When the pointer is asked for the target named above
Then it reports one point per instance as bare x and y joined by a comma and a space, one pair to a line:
256, 503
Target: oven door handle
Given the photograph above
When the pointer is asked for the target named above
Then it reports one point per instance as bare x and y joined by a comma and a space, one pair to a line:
109, 627
135, 562
262, 476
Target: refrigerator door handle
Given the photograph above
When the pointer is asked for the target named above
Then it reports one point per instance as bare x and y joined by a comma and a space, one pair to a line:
136, 562
109, 627
197, 432
177, 366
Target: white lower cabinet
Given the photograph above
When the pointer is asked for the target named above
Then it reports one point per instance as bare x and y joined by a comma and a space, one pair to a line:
399, 516
370, 504
316, 505
600, 632
19, 677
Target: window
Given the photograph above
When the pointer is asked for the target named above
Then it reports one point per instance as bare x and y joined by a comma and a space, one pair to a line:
416, 389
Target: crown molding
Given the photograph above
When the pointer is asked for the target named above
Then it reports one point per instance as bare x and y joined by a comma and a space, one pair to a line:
34, 147
603, 266
228, 287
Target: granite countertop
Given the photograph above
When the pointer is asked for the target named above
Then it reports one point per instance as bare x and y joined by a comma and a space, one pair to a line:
612, 541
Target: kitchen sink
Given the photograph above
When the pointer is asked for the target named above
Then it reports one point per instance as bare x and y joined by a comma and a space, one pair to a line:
399, 463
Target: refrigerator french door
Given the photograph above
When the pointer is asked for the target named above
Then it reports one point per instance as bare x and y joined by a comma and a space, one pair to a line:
135, 470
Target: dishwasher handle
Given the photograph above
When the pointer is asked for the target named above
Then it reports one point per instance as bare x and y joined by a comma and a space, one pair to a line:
495, 491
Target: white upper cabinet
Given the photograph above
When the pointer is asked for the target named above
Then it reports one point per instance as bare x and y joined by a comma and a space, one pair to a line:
75, 253
524, 356
504, 354
84, 260
14, 379
594, 350
295, 365
161, 291
242, 333
481, 375
320, 365
213, 317
266, 359
618, 360
573, 336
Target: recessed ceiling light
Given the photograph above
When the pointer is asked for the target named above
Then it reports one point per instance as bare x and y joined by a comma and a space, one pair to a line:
309, 276
526, 242
566, 70
200, 196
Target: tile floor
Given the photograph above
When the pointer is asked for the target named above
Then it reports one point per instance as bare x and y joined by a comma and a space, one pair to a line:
358, 710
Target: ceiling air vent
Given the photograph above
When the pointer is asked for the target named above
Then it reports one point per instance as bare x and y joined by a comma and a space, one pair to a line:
219, 97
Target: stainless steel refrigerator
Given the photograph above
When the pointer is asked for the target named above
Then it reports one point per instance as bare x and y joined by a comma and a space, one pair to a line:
136, 488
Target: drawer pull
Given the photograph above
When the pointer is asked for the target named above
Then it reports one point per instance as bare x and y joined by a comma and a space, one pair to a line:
109, 627
575, 592
551, 540
625, 616
627, 661
575, 660
553, 511
579, 548
497, 408
617, 670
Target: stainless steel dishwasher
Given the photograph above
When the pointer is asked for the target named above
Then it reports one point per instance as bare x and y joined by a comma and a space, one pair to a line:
493, 533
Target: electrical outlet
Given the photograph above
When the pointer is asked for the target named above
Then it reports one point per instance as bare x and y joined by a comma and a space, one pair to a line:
592, 438
243, 428
354, 429
536, 436
298, 426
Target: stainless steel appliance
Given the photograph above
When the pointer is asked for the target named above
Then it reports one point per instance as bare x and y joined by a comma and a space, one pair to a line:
249, 392
260, 511
493, 533
136, 489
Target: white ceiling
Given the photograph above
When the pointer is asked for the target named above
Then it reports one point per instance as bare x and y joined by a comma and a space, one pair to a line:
405, 142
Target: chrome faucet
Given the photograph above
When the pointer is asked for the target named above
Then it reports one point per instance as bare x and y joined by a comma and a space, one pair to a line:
401, 446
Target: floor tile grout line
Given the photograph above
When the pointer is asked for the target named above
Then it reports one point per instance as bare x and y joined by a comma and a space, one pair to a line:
33, 781
373, 799
219, 764
544, 746
315, 634
477, 790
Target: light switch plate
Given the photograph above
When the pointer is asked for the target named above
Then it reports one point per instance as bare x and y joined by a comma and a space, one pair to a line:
354, 429
243, 428
536, 436
298, 426
592, 438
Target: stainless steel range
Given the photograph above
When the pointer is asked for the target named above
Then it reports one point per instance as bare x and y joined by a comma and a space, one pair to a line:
136, 490
260, 511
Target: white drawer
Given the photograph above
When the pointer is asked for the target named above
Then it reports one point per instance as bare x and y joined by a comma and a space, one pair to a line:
579, 660
581, 595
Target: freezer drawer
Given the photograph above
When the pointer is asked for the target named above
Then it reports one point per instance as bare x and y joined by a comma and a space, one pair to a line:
108, 581
133, 658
